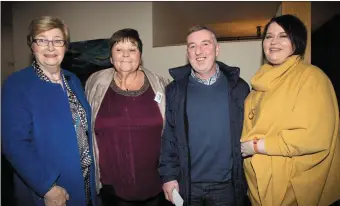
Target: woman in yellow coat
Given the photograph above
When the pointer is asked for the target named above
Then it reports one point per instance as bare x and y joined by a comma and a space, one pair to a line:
290, 138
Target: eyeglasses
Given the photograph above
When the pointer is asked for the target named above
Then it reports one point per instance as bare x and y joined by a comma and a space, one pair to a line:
45, 42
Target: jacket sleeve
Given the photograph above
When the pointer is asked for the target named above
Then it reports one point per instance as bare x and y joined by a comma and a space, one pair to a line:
18, 140
88, 87
240, 182
169, 167
312, 126
167, 81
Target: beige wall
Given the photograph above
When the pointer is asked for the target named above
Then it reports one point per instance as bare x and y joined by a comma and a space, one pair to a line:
246, 55
168, 25
91, 20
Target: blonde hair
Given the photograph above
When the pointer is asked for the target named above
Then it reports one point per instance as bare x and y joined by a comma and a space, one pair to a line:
46, 23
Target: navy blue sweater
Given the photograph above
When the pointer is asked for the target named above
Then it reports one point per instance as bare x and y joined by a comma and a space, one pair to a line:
209, 130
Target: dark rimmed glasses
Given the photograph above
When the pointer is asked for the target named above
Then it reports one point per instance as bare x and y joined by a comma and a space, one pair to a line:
45, 42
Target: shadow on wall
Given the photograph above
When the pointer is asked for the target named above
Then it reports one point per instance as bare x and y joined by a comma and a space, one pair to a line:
83, 58
325, 51
7, 189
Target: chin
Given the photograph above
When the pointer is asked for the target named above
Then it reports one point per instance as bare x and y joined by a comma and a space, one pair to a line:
128, 69
275, 61
52, 64
201, 67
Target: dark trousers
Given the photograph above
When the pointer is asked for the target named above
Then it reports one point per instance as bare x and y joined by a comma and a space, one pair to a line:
109, 198
212, 194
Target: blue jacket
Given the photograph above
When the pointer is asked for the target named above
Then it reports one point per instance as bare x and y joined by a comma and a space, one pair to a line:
175, 155
39, 139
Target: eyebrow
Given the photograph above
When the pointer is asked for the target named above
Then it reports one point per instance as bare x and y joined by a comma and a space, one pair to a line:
41, 35
204, 41
279, 33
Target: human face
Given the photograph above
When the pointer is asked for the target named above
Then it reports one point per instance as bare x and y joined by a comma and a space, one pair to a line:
125, 56
202, 50
277, 46
49, 57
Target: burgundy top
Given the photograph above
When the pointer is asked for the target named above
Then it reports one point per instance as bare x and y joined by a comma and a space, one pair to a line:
128, 129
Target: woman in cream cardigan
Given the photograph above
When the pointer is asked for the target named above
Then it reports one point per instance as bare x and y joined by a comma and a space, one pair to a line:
128, 104
290, 138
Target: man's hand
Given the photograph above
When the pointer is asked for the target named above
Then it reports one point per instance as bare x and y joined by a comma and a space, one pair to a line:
168, 187
57, 196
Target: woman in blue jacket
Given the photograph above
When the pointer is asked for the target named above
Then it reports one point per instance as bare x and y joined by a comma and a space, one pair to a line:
45, 125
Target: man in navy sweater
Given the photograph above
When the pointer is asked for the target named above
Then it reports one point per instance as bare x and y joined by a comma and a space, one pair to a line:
204, 114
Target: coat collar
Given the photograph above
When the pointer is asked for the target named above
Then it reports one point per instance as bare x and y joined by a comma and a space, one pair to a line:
67, 74
232, 73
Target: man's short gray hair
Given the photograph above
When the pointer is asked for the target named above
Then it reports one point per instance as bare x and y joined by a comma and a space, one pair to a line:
201, 27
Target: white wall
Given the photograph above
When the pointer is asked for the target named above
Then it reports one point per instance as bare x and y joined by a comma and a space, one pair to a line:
91, 20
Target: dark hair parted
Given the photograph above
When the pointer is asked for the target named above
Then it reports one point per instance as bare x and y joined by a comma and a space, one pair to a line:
126, 35
295, 29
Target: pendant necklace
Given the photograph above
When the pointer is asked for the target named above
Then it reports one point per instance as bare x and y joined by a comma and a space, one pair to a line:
127, 86
254, 109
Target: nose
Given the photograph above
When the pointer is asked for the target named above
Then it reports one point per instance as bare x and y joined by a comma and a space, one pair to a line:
50, 46
126, 53
274, 40
198, 50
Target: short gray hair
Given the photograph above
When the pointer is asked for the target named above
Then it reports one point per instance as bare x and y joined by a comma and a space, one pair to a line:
201, 27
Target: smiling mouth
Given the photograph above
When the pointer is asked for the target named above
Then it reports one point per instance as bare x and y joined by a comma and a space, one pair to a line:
50, 55
200, 59
275, 50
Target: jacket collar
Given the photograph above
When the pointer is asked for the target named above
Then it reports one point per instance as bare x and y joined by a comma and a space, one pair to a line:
67, 74
232, 73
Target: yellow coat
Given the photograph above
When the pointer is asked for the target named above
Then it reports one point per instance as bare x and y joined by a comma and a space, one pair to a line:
296, 112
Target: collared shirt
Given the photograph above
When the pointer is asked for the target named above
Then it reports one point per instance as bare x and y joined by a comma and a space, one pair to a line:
209, 81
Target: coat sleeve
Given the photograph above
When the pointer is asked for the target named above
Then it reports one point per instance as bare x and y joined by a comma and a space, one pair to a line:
240, 182
18, 140
313, 123
88, 87
169, 167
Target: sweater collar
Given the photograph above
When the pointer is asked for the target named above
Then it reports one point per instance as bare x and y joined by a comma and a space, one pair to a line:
269, 76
